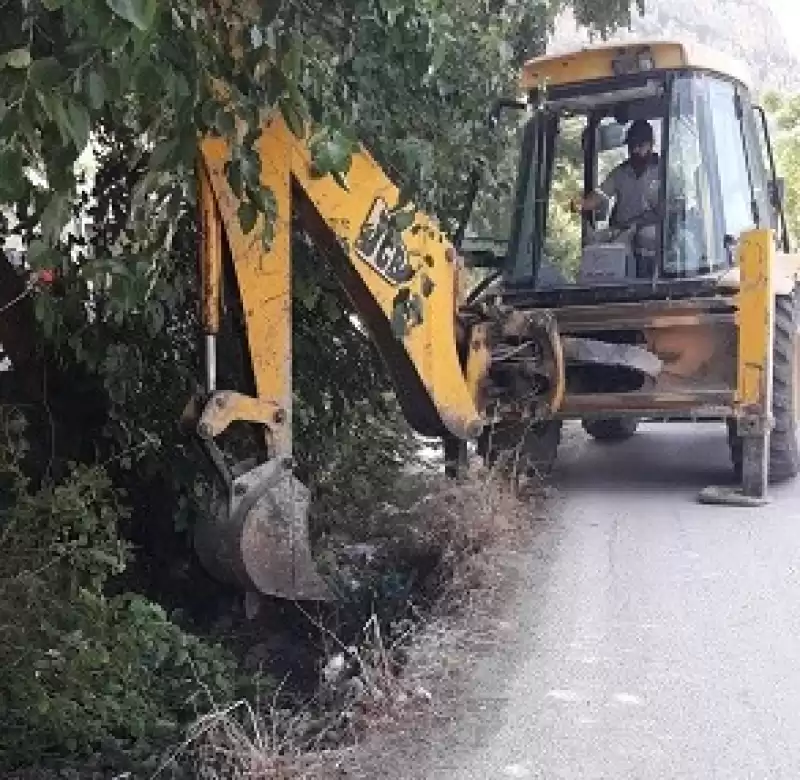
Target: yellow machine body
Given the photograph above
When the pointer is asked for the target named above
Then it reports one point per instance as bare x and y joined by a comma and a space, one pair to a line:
613, 59
714, 352
375, 264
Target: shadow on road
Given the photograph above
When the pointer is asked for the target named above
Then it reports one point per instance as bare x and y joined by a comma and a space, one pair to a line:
668, 459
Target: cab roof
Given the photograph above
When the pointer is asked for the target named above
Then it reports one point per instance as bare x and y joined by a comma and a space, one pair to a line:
607, 60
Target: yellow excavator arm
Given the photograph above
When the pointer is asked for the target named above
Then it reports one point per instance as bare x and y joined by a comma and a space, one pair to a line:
686, 343
259, 538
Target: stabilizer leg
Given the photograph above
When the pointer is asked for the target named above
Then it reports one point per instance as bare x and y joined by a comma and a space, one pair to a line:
756, 326
753, 489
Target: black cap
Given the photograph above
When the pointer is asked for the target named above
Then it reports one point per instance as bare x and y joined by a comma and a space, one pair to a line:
640, 132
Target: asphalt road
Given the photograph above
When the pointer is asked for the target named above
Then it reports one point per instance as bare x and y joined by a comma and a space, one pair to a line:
653, 637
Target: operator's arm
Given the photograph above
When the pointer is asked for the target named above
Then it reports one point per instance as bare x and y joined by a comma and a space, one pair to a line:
593, 200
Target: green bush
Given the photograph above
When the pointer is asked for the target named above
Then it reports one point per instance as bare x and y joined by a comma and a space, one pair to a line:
79, 670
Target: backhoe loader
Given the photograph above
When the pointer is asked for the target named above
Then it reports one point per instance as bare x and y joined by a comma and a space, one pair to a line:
695, 318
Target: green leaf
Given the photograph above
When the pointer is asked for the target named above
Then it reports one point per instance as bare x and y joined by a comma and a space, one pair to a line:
52, 5
292, 60
415, 309
331, 308
39, 255
12, 177
235, 178
162, 154
16, 58
439, 54
341, 180
140, 13
403, 220
117, 35
307, 293
149, 80
264, 198
59, 166
54, 106
225, 122
398, 322
79, 124
111, 82
187, 147
96, 87
47, 73
208, 112
269, 10
332, 153
248, 215
293, 111
251, 168
55, 217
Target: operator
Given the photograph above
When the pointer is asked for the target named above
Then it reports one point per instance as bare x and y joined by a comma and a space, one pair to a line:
634, 184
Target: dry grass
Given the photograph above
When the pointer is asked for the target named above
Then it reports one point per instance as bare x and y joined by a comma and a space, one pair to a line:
361, 689
445, 523
455, 535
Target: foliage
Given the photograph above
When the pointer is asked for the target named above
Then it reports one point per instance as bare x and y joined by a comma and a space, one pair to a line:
78, 669
101, 102
784, 119
750, 30
392, 74
131, 79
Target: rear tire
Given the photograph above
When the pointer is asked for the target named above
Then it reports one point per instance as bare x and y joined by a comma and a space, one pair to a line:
611, 429
784, 451
520, 448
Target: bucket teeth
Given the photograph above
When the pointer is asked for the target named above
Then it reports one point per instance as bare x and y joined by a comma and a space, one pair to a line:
259, 539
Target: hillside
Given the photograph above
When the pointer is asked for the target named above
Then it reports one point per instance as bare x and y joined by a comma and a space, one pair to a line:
747, 29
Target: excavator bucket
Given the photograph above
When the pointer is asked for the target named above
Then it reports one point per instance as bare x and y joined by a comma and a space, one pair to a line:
258, 536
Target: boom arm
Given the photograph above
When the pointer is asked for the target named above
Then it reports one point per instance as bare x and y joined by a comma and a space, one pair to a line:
353, 226
374, 264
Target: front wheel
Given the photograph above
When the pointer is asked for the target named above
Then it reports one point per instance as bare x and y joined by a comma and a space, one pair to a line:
611, 429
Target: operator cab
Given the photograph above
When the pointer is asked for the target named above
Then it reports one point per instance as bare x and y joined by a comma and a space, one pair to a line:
715, 173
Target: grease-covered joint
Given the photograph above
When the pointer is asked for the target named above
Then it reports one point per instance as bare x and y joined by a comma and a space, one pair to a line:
525, 376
